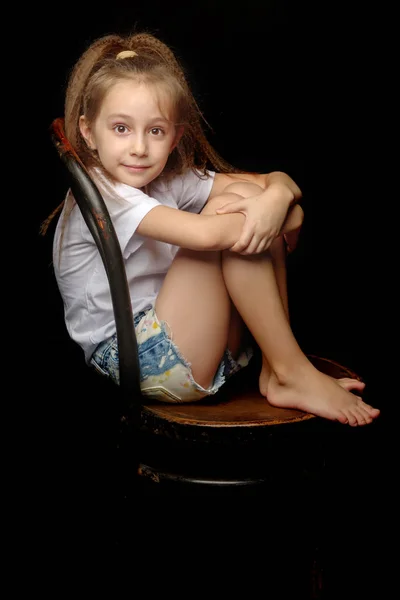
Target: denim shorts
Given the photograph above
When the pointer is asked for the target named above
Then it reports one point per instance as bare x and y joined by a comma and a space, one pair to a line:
164, 374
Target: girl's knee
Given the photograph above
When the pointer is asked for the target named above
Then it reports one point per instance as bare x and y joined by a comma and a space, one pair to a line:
244, 189
232, 193
219, 201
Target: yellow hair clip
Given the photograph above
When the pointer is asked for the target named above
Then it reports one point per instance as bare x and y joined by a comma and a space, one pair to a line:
125, 54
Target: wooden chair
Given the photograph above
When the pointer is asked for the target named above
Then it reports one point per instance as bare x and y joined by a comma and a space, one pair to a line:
233, 442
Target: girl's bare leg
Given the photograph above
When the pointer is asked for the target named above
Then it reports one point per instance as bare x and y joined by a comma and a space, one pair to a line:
195, 304
288, 378
277, 252
278, 256
195, 301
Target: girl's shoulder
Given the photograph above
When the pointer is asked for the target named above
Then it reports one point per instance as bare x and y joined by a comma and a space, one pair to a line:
187, 191
189, 181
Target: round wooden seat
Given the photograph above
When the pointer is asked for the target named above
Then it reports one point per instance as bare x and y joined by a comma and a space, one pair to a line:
235, 439
243, 408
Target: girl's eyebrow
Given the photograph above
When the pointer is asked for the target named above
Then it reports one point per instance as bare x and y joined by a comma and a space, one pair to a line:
125, 117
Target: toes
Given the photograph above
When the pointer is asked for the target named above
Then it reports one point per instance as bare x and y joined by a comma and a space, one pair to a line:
370, 410
343, 418
351, 384
374, 412
353, 421
356, 415
363, 416
350, 418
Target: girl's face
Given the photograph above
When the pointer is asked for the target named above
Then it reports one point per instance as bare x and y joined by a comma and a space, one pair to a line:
131, 134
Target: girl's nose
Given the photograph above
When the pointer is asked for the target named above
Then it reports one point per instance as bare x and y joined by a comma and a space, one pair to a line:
138, 145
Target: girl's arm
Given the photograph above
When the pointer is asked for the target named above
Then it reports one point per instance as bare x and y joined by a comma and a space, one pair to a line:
266, 202
190, 230
203, 231
267, 212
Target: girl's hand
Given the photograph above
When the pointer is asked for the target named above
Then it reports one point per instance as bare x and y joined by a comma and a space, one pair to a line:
265, 215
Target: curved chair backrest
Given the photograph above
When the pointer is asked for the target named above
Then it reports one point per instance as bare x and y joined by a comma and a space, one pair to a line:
98, 220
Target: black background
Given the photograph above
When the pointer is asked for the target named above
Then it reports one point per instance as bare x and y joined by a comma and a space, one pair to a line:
285, 86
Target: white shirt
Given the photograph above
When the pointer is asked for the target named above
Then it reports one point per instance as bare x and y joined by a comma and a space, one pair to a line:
80, 273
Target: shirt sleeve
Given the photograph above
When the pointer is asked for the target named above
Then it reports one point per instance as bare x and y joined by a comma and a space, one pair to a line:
196, 189
127, 207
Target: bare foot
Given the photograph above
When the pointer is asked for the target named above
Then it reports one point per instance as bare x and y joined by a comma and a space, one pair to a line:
314, 392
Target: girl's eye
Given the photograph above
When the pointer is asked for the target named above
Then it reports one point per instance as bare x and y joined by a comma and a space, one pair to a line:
120, 129
156, 130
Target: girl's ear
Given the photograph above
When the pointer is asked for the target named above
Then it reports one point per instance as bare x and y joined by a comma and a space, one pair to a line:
86, 132
178, 135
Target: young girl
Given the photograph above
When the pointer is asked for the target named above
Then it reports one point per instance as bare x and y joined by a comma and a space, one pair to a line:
204, 249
